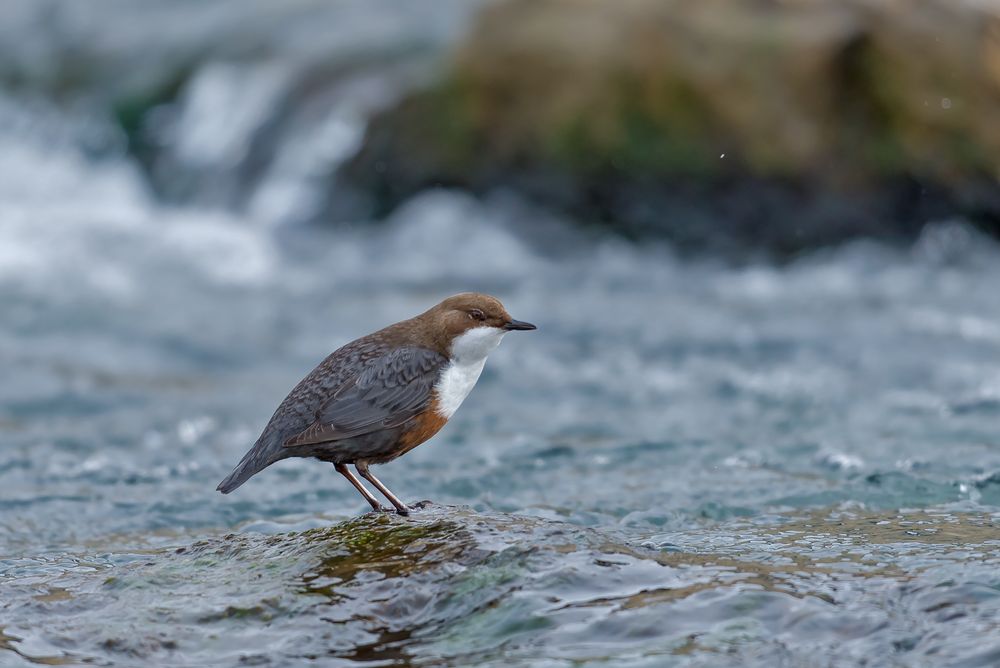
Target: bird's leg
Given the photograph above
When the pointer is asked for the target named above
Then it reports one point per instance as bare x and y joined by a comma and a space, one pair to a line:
362, 468
369, 497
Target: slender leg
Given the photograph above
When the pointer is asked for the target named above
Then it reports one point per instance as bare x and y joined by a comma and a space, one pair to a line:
362, 468
369, 497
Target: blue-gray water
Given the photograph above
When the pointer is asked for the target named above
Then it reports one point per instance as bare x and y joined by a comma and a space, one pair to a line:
689, 463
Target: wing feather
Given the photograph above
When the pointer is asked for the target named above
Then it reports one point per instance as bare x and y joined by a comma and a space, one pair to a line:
390, 390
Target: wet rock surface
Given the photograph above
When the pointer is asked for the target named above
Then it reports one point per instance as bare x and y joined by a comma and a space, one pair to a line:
450, 586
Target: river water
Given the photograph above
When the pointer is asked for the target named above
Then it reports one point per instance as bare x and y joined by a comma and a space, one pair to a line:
690, 463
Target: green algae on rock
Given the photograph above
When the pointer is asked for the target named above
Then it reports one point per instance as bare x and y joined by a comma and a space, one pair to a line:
456, 587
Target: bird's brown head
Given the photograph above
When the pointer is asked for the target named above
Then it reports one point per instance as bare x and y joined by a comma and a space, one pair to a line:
456, 316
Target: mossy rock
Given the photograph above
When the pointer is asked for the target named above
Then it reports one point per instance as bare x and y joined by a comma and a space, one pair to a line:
822, 105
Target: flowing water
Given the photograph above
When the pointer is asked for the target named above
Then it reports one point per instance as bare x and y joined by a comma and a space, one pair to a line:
689, 463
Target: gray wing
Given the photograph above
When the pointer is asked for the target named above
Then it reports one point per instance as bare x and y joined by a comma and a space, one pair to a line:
389, 391
298, 410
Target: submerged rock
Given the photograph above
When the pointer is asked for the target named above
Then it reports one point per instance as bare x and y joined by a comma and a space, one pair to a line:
719, 125
450, 586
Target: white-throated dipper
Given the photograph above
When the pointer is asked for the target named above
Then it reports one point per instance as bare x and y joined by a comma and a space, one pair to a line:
382, 395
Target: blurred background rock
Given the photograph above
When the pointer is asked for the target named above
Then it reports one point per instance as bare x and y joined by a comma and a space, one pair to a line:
702, 122
707, 122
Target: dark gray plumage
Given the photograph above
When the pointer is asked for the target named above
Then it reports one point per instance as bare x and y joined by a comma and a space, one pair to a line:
366, 386
392, 389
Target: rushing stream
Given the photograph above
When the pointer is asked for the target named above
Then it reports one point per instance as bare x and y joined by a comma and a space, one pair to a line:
688, 462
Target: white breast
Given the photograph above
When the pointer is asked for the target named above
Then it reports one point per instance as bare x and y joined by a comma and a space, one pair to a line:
468, 356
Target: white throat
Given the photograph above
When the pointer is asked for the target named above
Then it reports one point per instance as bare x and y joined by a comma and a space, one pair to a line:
468, 356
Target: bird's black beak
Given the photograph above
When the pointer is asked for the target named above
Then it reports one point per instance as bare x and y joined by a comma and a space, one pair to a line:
518, 325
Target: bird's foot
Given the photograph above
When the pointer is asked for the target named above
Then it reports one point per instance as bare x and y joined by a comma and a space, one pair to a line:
381, 509
419, 505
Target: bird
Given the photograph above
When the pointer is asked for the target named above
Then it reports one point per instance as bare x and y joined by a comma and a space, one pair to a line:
382, 395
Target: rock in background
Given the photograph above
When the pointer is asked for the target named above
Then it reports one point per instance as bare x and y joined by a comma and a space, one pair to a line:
726, 126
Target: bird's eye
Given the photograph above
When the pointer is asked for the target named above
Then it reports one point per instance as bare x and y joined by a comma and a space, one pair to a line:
476, 314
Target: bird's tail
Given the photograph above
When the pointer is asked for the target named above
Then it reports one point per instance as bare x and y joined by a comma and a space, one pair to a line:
253, 462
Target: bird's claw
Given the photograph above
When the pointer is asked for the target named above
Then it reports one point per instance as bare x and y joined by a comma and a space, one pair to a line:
403, 510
